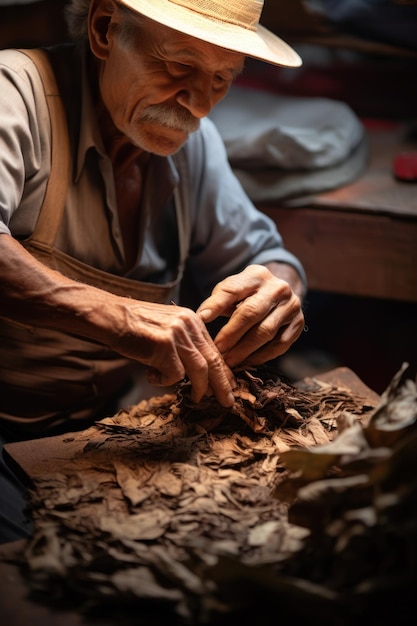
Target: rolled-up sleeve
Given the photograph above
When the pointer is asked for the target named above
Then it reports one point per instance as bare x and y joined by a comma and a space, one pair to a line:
24, 143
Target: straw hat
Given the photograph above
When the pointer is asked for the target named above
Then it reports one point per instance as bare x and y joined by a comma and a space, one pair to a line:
230, 24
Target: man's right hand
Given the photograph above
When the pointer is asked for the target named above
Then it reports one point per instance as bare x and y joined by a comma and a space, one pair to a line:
172, 341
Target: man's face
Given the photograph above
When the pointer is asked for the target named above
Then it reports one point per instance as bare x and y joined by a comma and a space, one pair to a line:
159, 87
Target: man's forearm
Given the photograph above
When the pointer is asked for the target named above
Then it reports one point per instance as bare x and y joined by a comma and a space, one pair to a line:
172, 342
37, 295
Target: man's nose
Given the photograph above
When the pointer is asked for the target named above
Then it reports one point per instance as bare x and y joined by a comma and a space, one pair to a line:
199, 98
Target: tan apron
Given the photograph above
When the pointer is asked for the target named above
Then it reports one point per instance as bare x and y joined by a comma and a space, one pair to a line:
46, 376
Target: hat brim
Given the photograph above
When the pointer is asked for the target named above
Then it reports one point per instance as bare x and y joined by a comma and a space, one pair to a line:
261, 44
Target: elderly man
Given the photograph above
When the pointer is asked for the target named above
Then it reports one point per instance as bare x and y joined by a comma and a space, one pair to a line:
123, 232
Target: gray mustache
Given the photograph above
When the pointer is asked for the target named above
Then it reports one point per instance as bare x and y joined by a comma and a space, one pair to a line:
174, 117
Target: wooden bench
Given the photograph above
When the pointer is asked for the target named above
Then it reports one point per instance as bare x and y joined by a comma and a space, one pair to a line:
360, 239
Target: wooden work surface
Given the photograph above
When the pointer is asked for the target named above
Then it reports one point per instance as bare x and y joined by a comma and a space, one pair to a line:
360, 239
39, 457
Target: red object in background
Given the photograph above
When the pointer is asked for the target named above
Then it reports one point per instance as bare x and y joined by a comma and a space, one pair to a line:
405, 166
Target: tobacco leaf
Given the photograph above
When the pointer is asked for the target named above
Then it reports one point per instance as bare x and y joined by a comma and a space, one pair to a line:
363, 514
165, 491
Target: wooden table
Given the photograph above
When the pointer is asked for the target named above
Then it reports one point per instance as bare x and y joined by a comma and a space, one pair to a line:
361, 239
41, 456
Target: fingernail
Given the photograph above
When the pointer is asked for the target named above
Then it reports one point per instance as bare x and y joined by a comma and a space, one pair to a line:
230, 399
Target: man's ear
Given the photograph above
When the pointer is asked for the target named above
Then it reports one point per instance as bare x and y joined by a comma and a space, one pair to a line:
99, 17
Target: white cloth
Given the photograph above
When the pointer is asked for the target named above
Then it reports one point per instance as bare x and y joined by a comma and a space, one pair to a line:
261, 129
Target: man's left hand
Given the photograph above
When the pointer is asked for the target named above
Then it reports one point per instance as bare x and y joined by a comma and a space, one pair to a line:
264, 311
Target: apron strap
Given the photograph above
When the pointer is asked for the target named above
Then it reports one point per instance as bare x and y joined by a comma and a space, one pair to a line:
57, 186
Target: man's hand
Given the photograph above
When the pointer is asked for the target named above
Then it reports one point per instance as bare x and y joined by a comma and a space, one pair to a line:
174, 342
264, 312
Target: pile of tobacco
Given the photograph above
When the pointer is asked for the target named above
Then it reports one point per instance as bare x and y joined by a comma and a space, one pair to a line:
299, 502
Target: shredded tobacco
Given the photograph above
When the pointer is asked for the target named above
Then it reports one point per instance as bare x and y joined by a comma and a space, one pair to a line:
294, 495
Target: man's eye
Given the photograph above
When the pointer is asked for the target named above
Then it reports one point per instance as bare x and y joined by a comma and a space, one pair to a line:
220, 79
221, 82
178, 69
